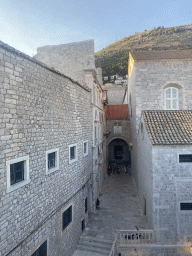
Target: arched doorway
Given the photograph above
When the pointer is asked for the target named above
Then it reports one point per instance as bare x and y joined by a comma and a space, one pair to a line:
118, 152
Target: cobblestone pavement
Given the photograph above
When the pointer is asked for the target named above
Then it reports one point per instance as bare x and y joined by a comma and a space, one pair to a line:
119, 208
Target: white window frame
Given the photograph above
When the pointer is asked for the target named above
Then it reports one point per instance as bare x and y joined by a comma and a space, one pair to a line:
184, 153
51, 170
171, 99
22, 183
75, 159
86, 141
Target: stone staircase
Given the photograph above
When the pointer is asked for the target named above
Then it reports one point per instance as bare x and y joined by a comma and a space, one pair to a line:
95, 245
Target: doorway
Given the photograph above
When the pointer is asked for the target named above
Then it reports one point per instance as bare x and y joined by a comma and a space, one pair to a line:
118, 150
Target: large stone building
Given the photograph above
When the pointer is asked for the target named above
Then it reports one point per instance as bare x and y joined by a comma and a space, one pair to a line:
51, 143
160, 104
77, 60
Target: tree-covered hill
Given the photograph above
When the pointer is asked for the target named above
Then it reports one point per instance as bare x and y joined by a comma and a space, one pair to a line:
114, 58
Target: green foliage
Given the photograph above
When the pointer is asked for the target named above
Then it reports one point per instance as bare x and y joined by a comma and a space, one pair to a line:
114, 58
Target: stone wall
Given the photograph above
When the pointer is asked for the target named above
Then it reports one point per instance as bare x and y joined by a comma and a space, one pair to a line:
42, 110
151, 250
144, 173
115, 94
172, 185
124, 133
69, 59
151, 79
146, 91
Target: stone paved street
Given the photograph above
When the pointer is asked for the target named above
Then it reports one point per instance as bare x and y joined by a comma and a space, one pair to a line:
119, 209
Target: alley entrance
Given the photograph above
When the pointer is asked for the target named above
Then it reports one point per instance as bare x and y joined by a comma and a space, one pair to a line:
118, 152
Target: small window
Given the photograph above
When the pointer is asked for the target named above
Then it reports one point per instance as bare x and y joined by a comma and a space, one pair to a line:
17, 173
83, 224
42, 250
85, 204
72, 153
85, 148
67, 217
171, 98
186, 206
185, 158
52, 160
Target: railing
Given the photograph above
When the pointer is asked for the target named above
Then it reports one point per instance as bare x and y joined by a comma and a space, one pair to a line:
126, 237
113, 251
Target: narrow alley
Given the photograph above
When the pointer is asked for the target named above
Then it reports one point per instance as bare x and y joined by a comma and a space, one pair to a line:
119, 210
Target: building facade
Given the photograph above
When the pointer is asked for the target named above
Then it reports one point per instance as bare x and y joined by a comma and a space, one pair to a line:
161, 81
77, 60
47, 179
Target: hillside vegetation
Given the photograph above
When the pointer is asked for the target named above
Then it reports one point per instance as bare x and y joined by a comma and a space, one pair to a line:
114, 58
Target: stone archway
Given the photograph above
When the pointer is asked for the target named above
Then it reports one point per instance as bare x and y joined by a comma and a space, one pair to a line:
118, 151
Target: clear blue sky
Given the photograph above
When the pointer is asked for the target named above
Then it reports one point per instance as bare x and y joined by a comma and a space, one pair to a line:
28, 24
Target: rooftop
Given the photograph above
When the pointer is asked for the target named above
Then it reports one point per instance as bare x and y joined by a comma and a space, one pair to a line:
169, 127
160, 55
117, 112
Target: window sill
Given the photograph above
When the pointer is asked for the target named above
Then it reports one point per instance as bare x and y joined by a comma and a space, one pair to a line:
49, 171
18, 185
72, 161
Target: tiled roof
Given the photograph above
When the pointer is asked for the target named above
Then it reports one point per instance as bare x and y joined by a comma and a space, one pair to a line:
169, 127
164, 54
117, 111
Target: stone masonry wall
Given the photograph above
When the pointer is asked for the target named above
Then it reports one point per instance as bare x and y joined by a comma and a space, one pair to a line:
152, 78
172, 185
42, 110
125, 129
69, 59
144, 173
115, 94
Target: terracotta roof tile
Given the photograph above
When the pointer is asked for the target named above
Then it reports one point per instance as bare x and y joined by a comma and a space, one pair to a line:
117, 111
169, 127
160, 55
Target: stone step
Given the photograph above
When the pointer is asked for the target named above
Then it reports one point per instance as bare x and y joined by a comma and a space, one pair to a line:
95, 244
93, 249
97, 240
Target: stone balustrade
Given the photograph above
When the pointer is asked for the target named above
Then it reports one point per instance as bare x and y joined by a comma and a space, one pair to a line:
126, 237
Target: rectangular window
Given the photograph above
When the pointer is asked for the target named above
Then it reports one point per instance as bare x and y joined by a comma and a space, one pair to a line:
83, 224
51, 160
186, 206
16, 172
72, 153
42, 250
85, 204
187, 158
67, 217
85, 148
